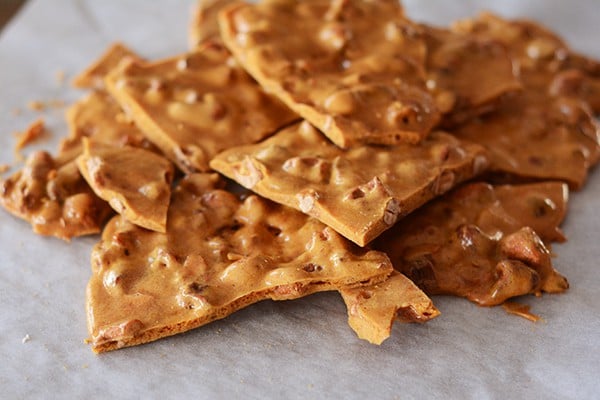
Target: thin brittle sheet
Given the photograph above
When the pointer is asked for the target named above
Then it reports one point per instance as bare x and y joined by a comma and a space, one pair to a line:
359, 192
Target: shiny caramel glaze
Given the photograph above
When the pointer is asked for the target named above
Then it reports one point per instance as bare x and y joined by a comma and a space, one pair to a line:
54, 198
93, 76
467, 77
480, 242
49, 191
359, 192
194, 105
97, 116
219, 254
521, 310
334, 68
361, 72
544, 60
547, 132
203, 25
373, 309
135, 182
535, 137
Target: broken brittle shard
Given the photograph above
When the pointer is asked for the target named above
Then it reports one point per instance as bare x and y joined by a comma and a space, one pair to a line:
54, 198
97, 116
203, 25
135, 182
349, 68
363, 73
373, 309
196, 105
359, 192
545, 62
481, 242
218, 255
93, 76
537, 138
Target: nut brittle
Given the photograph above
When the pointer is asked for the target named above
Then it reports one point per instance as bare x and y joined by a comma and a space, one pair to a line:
197, 104
54, 198
536, 138
135, 182
219, 254
349, 68
373, 309
93, 76
477, 242
359, 192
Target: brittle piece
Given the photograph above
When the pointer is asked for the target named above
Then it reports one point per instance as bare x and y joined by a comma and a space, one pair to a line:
477, 242
467, 77
135, 182
93, 76
97, 116
54, 198
197, 104
545, 61
359, 192
352, 68
532, 137
373, 309
203, 25
219, 254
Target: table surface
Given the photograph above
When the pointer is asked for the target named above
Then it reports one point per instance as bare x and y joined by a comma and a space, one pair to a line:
293, 349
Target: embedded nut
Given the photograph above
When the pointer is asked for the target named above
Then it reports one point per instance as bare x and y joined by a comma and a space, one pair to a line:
391, 213
541, 48
306, 200
444, 182
340, 103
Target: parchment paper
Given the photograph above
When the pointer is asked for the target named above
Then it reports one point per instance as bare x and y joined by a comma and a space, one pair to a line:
296, 349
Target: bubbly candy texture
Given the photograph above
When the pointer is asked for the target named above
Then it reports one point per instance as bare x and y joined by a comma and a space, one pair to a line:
359, 192
480, 242
194, 105
135, 182
219, 254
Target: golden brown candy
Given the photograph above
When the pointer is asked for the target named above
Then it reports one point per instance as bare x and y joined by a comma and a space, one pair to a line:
352, 68
54, 198
535, 137
373, 309
135, 182
477, 242
545, 62
93, 76
219, 254
195, 105
359, 192
203, 25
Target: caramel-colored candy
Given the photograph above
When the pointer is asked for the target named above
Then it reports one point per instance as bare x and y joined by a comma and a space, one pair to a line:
352, 68
361, 72
196, 105
535, 137
218, 255
54, 198
93, 76
203, 24
467, 77
359, 192
135, 182
480, 242
97, 116
373, 309
545, 61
